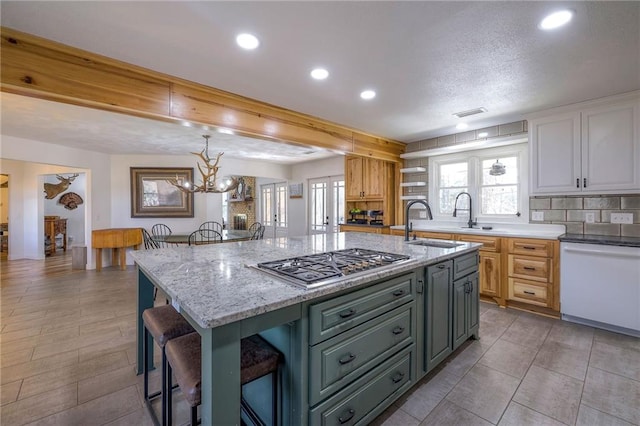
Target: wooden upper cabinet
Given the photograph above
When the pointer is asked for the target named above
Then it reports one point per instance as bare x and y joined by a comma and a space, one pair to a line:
354, 182
366, 178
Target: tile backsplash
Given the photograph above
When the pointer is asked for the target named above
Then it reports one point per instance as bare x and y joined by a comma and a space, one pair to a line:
572, 211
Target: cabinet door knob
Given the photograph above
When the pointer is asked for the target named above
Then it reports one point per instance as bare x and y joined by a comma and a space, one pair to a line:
347, 359
348, 415
348, 313
398, 330
397, 377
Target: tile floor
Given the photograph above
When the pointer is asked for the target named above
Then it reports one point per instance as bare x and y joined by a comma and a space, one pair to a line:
67, 355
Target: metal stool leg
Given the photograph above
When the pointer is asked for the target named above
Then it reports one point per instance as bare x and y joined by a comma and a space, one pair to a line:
274, 397
167, 405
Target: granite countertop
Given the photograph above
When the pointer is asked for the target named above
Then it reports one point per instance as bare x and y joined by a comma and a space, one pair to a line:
523, 230
601, 239
214, 284
366, 225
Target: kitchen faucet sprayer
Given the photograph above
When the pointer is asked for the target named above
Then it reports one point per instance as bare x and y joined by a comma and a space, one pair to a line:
455, 209
406, 215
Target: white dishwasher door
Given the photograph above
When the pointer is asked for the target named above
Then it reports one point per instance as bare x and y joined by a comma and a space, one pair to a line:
600, 286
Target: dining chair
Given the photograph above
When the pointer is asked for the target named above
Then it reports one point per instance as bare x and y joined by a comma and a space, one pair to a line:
204, 236
149, 242
212, 226
161, 230
257, 232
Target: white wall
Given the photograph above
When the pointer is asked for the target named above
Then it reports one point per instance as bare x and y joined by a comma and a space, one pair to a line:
206, 206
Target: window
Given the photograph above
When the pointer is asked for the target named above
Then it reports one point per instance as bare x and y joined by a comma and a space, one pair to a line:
495, 198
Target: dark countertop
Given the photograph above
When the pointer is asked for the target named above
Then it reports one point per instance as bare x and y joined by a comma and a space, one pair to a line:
600, 239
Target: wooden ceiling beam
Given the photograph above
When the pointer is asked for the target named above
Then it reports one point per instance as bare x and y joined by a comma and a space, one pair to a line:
37, 67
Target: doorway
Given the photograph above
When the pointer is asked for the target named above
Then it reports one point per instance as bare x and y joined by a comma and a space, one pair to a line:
273, 207
326, 204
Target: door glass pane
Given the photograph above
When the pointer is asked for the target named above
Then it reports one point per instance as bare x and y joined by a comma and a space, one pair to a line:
267, 210
281, 205
338, 204
318, 206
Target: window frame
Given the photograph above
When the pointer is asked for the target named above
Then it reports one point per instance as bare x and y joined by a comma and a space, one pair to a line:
474, 167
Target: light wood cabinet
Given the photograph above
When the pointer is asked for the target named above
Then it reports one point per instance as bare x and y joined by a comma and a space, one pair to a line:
384, 230
533, 273
593, 148
370, 185
490, 271
364, 178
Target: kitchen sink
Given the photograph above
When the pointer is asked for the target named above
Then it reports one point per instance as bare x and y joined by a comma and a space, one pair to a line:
433, 243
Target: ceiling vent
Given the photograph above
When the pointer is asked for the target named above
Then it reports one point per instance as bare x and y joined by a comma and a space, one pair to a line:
470, 112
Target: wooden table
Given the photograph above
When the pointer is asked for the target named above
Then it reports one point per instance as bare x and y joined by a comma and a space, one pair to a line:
53, 227
117, 239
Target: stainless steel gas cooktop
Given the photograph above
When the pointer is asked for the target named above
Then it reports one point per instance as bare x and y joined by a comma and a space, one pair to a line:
325, 268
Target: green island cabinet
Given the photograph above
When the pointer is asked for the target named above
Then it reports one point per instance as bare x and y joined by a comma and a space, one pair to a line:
354, 353
451, 307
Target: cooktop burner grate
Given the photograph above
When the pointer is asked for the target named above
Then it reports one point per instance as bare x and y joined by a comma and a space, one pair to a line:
323, 268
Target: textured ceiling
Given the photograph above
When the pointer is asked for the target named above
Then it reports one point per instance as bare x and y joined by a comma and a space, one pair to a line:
426, 60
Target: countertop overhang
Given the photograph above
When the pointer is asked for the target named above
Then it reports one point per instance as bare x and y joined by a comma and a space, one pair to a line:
214, 285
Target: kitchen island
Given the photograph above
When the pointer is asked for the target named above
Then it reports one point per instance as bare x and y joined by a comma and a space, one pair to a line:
225, 299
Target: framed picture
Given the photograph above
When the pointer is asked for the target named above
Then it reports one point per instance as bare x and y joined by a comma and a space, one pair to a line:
153, 196
295, 190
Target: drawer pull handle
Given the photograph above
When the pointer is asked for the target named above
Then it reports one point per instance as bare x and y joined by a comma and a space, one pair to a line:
347, 314
347, 359
397, 377
398, 293
529, 268
398, 330
528, 248
348, 416
442, 266
531, 293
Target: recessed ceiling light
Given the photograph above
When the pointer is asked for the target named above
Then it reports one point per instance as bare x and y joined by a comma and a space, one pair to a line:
483, 134
368, 94
319, 73
225, 131
247, 41
555, 20
461, 126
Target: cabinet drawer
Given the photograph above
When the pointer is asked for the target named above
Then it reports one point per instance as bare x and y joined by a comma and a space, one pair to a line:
530, 268
528, 292
436, 235
352, 405
531, 247
327, 319
337, 362
488, 243
465, 265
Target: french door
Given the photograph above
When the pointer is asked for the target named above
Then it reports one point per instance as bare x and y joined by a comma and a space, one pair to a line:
273, 206
326, 204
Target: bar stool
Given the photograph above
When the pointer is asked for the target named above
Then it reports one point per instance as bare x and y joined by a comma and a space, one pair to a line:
163, 323
257, 359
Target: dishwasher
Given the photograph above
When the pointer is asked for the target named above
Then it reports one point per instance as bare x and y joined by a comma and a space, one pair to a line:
600, 286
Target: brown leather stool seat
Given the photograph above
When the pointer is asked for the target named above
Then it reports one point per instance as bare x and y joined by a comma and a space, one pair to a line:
257, 359
163, 323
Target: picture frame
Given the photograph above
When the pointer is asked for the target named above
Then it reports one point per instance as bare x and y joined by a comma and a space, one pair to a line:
295, 190
153, 196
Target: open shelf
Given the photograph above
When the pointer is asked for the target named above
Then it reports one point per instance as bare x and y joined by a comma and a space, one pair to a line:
413, 197
413, 170
406, 184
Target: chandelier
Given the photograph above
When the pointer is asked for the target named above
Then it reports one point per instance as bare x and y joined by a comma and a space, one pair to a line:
210, 183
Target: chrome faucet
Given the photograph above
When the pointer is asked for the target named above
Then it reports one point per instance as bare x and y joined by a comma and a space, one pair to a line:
406, 216
455, 209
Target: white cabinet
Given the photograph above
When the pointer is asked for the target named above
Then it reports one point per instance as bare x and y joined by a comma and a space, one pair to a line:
593, 149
